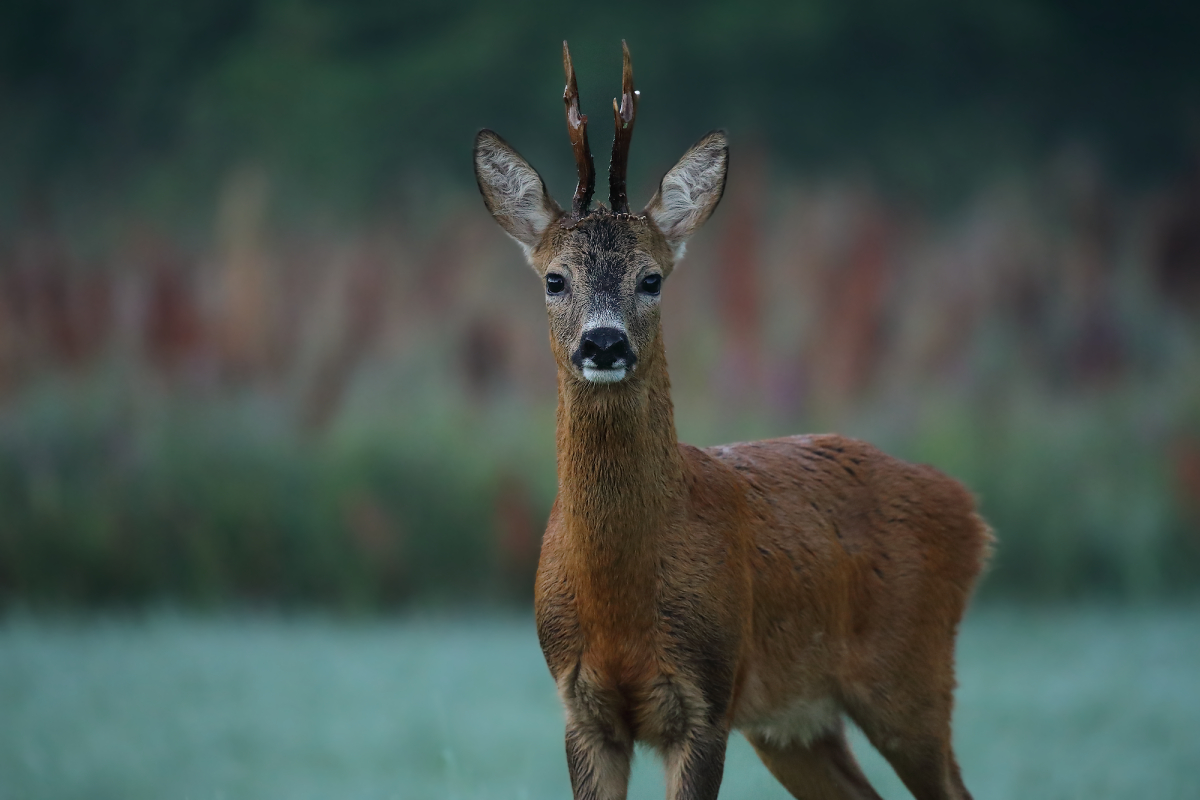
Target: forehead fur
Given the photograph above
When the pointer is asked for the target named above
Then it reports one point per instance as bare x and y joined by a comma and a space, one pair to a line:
603, 233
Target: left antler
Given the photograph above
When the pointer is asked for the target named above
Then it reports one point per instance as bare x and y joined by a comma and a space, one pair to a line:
623, 117
577, 128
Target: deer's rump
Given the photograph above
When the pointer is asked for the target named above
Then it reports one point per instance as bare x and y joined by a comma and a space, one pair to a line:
862, 563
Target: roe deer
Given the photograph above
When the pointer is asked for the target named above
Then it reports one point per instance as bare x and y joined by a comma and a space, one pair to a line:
774, 587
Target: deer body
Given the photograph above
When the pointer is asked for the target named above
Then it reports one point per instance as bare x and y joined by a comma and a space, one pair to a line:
773, 587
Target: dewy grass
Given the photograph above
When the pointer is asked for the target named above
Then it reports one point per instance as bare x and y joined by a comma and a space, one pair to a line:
1054, 702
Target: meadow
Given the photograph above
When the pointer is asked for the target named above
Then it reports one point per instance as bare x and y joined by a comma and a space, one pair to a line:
1054, 702
277, 407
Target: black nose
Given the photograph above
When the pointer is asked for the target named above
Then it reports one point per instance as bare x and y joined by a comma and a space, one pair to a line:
604, 347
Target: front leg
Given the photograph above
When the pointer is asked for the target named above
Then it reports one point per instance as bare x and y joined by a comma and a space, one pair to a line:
695, 765
598, 764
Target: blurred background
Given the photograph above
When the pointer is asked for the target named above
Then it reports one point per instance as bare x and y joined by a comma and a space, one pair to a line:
262, 348
260, 342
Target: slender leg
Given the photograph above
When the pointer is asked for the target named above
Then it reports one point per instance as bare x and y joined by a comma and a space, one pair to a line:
695, 766
925, 764
824, 769
599, 766
912, 731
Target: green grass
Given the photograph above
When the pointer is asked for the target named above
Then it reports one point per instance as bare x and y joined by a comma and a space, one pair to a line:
1066, 703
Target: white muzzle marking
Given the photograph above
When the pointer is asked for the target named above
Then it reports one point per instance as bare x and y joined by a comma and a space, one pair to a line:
604, 318
597, 375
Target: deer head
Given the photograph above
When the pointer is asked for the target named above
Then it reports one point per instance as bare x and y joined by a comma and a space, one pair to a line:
603, 270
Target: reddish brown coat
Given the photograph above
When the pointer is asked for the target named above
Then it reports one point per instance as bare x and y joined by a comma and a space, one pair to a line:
774, 587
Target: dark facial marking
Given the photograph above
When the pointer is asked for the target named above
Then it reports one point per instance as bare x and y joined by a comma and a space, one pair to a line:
604, 347
605, 254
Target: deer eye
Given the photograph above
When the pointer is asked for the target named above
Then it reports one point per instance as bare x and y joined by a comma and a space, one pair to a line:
555, 283
651, 284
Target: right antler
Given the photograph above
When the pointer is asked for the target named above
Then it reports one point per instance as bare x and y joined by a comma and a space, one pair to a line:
577, 128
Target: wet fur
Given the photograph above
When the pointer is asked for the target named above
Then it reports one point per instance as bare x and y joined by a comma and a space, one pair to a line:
773, 587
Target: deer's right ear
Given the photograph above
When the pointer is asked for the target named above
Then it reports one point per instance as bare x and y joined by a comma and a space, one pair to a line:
512, 190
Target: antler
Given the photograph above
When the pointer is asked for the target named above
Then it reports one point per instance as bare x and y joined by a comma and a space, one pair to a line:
577, 128
623, 117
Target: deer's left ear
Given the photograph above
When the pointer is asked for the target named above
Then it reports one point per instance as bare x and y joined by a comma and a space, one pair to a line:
690, 192
512, 190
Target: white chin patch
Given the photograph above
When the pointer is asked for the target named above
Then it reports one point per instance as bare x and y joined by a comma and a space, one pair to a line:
596, 375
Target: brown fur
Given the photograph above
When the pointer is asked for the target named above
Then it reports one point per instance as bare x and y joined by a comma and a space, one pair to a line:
774, 587
684, 592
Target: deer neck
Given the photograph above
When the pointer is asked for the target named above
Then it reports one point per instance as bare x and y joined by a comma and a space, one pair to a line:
619, 468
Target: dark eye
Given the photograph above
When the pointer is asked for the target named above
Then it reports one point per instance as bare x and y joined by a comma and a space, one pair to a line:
651, 284
555, 283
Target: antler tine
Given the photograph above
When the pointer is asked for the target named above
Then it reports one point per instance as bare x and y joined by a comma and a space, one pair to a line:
623, 118
577, 128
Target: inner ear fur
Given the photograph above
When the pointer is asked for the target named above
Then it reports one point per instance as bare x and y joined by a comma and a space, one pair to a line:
690, 191
512, 190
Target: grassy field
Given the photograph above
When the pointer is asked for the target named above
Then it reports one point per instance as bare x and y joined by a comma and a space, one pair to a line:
1065, 703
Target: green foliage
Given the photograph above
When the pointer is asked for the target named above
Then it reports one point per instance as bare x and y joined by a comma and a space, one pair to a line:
138, 116
349, 101
208, 508
224, 504
1080, 503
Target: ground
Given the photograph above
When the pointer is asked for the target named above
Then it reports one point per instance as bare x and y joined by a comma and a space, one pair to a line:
1064, 703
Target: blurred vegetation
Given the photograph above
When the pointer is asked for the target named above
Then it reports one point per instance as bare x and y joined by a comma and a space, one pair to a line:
206, 508
354, 104
261, 344
207, 505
